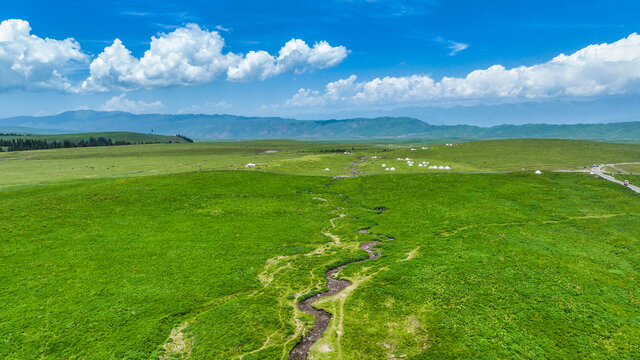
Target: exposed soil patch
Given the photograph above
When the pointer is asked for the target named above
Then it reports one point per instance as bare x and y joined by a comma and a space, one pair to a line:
271, 151
322, 317
354, 166
180, 344
364, 231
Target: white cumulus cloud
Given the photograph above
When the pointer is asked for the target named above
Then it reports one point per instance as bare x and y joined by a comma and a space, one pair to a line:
294, 56
30, 62
604, 69
192, 55
186, 56
121, 103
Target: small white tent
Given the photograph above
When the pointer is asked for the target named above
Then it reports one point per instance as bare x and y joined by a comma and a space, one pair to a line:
538, 172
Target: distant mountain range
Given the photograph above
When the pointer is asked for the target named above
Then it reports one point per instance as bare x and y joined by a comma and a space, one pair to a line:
606, 110
238, 127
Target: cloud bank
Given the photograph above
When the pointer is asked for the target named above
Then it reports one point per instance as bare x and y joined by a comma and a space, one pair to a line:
121, 103
187, 56
605, 69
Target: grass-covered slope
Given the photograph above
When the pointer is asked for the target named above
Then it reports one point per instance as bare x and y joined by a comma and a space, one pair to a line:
210, 264
492, 266
106, 269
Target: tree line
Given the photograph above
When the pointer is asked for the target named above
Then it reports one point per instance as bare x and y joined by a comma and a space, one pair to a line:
37, 144
184, 138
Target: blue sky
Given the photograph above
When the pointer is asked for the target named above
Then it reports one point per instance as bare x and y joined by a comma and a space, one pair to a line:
410, 46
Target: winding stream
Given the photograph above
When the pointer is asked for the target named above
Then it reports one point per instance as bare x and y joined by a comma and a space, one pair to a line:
322, 317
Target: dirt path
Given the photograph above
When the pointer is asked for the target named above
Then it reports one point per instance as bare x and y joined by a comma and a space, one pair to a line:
598, 171
354, 166
322, 317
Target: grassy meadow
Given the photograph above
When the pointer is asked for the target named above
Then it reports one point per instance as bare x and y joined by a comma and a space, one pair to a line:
27, 168
172, 251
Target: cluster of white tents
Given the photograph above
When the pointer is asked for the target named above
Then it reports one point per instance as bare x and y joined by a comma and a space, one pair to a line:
422, 164
250, 165
448, 144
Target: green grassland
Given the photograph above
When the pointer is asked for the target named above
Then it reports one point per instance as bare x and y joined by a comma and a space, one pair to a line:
634, 169
46, 166
179, 251
633, 179
494, 266
105, 269
130, 137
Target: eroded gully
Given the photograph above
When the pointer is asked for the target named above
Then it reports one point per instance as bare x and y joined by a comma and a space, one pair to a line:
322, 317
